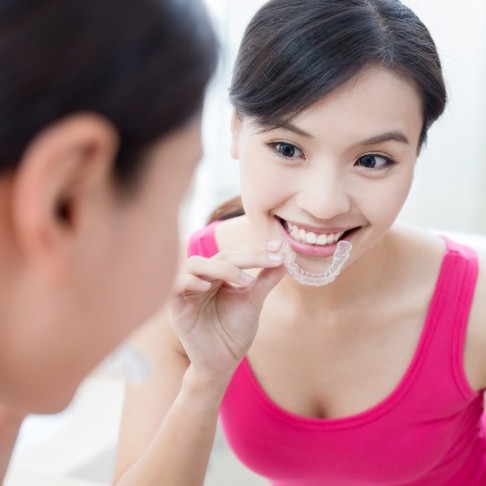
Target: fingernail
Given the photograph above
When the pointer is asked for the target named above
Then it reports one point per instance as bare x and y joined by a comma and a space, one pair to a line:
204, 284
275, 257
273, 244
245, 278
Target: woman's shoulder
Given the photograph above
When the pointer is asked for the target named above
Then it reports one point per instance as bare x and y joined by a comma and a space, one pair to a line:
233, 232
428, 249
417, 247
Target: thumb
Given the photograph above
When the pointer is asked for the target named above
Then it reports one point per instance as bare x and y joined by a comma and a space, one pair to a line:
264, 283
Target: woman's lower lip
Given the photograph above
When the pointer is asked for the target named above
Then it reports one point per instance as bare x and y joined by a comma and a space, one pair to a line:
306, 249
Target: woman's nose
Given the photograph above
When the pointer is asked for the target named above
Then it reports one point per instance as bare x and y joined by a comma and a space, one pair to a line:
323, 194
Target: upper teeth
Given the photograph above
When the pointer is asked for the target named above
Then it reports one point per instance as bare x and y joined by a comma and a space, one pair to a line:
311, 237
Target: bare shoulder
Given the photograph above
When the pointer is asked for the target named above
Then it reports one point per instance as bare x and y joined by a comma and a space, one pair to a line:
234, 232
414, 238
419, 251
425, 250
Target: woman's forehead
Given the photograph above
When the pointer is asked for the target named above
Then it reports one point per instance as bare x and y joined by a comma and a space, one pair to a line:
375, 102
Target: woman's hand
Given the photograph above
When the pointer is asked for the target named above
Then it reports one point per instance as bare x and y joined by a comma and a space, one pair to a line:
216, 307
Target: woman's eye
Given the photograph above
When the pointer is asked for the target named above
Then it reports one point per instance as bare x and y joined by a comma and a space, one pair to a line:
373, 161
287, 150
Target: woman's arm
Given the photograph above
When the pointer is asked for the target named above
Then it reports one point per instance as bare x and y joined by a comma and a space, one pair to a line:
169, 422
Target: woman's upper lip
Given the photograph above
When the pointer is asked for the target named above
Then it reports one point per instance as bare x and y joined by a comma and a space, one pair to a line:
319, 229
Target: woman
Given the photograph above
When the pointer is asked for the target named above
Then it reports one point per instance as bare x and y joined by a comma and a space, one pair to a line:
373, 376
100, 106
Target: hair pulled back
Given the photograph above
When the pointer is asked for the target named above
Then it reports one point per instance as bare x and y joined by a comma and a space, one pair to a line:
142, 64
295, 52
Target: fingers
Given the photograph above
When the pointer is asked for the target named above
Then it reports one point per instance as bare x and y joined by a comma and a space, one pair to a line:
184, 286
267, 256
198, 272
192, 283
227, 266
264, 283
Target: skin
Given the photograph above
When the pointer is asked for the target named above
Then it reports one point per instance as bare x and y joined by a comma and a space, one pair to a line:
324, 186
290, 332
83, 261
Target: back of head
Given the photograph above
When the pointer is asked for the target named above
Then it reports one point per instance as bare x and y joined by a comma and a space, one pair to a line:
294, 52
142, 64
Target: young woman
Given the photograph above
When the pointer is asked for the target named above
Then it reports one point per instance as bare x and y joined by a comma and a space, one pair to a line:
370, 377
100, 131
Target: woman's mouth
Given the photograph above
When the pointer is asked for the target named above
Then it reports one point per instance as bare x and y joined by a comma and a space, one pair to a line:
319, 243
311, 237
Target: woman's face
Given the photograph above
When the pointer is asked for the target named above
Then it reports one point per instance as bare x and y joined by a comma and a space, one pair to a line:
342, 169
125, 253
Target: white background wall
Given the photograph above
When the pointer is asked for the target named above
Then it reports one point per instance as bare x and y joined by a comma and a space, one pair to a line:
451, 173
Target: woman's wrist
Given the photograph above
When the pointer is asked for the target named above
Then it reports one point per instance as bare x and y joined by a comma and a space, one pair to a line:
197, 384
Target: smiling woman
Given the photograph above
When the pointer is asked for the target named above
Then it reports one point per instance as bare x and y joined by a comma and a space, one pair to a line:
374, 378
456, 199
342, 155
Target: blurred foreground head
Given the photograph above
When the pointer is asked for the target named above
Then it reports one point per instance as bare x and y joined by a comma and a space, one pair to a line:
100, 105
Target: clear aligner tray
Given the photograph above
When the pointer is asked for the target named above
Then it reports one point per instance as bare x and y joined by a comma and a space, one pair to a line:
339, 258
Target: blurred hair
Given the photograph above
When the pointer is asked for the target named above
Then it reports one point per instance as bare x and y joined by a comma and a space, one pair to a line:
142, 64
295, 52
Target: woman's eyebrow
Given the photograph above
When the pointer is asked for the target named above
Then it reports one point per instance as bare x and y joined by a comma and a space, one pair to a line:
285, 126
292, 128
395, 135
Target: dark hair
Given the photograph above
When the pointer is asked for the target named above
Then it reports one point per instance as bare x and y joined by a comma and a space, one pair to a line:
295, 52
142, 64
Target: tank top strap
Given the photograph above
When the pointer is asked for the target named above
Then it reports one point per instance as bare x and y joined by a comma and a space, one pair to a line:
203, 242
449, 310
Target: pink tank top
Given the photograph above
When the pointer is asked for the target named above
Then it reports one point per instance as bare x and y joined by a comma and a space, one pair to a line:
428, 432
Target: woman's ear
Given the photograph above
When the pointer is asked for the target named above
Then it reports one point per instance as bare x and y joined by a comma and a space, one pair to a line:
235, 132
58, 182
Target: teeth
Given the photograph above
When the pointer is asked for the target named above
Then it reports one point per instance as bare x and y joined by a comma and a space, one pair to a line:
311, 237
